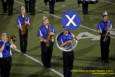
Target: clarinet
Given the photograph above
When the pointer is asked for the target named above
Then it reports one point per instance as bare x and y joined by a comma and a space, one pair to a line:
106, 36
107, 33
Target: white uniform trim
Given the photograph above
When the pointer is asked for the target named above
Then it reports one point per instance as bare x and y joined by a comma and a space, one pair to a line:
1, 55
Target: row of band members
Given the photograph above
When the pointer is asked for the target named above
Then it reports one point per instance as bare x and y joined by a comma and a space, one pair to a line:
23, 22
30, 6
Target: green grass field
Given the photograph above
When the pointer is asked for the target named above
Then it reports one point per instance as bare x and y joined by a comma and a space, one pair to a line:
87, 53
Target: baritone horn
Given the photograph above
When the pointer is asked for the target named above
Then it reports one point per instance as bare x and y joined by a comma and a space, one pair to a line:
69, 47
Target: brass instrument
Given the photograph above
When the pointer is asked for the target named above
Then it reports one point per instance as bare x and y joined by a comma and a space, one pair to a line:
49, 38
68, 47
25, 27
11, 38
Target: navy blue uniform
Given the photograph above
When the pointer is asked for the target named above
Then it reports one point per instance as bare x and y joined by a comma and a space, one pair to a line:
103, 28
5, 59
68, 56
46, 51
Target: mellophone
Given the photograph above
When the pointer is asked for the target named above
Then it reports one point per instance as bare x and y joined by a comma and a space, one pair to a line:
69, 47
89, 1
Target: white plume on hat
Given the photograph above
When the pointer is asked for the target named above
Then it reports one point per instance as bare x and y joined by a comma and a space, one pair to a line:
105, 13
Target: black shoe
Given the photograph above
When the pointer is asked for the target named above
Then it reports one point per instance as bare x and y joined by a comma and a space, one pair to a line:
47, 66
24, 52
10, 14
106, 61
32, 13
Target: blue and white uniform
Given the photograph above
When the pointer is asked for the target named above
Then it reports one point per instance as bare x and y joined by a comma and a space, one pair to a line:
68, 56
5, 59
23, 34
6, 51
104, 27
21, 20
43, 31
46, 50
63, 38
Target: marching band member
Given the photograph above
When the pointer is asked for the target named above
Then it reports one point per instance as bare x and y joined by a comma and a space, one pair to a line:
46, 2
84, 6
5, 55
23, 22
68, 56
30, 6
8, 6
52, 6
104, 27
46, 34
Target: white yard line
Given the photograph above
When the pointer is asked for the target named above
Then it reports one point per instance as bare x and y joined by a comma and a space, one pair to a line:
39, 62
